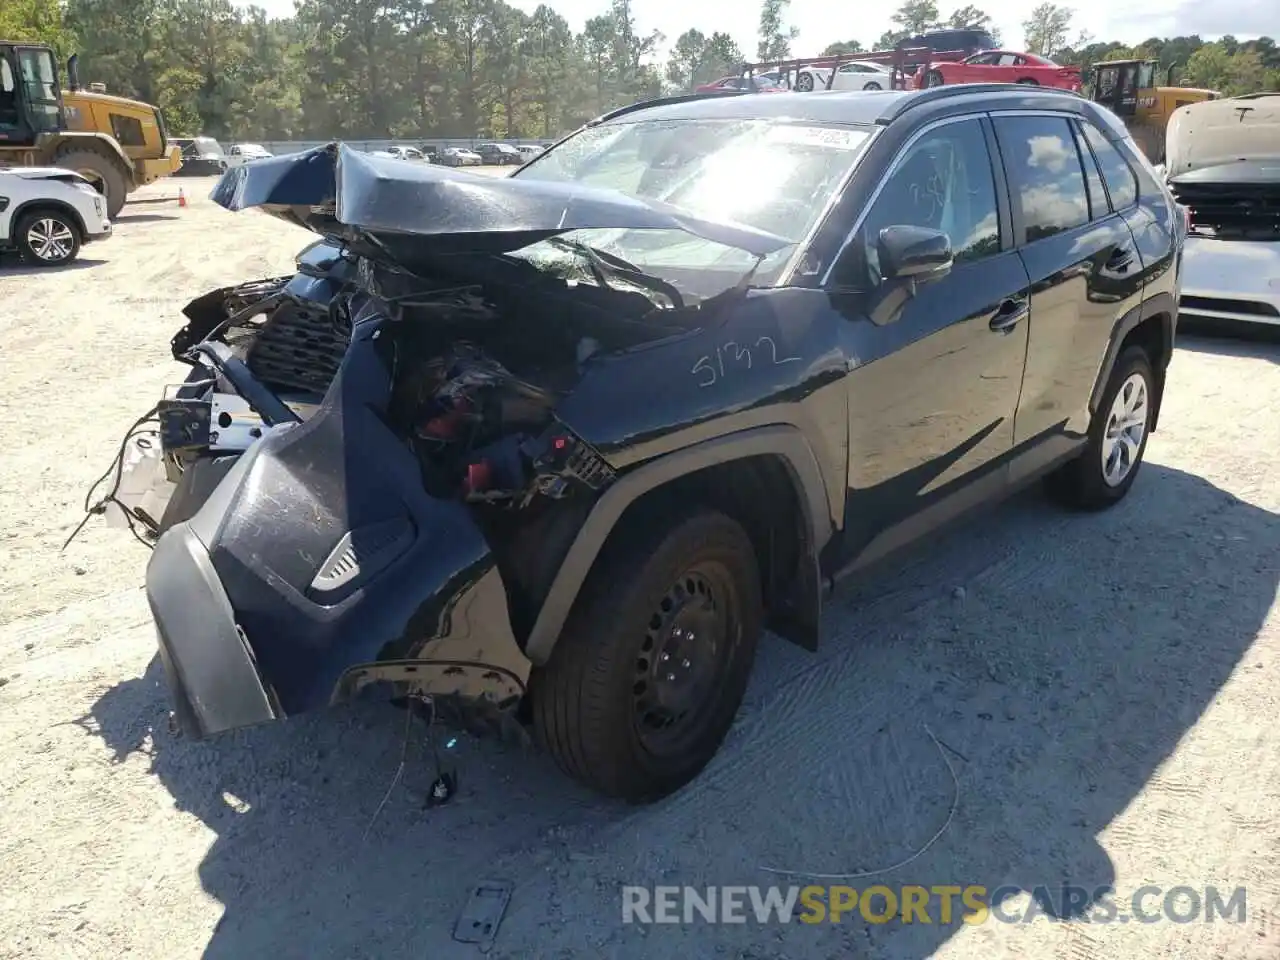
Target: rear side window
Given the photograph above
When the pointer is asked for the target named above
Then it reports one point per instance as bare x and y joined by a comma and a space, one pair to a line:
1121, 183
1045, 176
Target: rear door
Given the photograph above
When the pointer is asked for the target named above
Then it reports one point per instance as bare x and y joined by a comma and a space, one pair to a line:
1085, 273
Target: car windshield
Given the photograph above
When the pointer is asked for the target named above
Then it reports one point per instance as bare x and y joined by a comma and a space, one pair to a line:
207, 146
776, 177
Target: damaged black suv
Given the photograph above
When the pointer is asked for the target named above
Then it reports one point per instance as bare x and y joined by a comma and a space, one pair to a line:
555, 449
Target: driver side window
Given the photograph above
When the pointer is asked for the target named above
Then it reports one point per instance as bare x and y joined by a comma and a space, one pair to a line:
944, 182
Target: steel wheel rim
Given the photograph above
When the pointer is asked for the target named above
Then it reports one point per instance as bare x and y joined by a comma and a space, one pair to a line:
683, 659
50, 240
1125, 430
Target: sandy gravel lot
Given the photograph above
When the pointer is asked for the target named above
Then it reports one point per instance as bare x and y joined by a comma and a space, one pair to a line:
1108, 683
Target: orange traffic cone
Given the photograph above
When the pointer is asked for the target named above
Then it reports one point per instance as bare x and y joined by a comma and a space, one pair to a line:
182, 197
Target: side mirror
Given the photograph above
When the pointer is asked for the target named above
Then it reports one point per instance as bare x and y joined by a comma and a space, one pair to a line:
914, 254
73, 72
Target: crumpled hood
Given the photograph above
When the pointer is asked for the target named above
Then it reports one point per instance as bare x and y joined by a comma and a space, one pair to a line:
1217, 132
337, 190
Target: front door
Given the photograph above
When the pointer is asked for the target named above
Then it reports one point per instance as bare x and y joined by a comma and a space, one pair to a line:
934, 376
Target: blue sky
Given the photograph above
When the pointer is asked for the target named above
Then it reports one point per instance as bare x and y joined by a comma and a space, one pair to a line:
822, 22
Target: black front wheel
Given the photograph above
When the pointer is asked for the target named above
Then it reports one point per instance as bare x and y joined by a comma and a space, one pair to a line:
651, 667
933, 79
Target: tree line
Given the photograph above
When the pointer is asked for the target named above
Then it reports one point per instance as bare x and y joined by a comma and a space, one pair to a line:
367, 69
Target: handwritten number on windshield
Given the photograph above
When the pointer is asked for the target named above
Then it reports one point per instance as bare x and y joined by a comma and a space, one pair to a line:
711, 370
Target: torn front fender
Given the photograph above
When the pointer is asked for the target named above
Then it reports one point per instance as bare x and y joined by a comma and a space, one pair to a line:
318, 564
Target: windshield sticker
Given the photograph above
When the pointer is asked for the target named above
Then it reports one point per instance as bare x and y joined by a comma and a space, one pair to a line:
834, 138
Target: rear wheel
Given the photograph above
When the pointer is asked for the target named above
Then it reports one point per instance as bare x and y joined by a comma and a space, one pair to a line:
933, 79
48, 238
100, 170
652, 665
1103, 473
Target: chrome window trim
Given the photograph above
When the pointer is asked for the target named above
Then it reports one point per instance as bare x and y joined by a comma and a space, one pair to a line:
884, 179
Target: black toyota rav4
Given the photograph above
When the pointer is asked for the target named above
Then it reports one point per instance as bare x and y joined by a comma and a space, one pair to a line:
555, 449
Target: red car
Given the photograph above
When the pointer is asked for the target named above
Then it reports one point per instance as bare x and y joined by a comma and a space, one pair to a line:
761, 85
1003, 66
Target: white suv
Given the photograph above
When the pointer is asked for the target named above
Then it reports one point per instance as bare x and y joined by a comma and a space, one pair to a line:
46, 213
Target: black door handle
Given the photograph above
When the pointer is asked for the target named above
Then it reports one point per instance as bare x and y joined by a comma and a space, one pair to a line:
1010, 313
1119, 260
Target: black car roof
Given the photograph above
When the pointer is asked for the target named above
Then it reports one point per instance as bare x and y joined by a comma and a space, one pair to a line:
837, 106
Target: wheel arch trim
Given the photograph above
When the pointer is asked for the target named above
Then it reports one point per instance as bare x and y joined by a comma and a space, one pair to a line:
785, 442
61, 206
1160, 305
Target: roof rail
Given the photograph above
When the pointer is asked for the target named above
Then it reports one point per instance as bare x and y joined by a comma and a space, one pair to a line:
663, 101
900, 105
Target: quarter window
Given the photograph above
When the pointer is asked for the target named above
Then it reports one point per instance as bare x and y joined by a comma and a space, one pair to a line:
1044, 169
1121, 183
944, 181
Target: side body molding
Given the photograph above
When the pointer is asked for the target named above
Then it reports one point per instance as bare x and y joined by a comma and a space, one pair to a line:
785, 442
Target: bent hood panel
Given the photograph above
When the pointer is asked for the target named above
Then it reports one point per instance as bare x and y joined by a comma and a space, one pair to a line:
333, 187
1216, 132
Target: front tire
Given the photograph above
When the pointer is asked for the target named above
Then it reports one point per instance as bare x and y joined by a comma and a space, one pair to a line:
1103, 473
1028, 82
100, 170
933, 79
804, 82
873, 85
653, 662
48, 238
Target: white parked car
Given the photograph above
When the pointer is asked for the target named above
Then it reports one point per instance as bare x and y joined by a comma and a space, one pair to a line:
47, 213
854, 75
406, 153
242, 153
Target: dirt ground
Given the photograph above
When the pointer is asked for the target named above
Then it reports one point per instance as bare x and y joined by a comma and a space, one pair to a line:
1107, 684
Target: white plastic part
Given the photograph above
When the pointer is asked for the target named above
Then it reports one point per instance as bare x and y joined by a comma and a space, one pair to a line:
144, 488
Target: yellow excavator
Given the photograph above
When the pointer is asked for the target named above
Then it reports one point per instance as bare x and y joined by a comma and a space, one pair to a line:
1130, 89
116, 143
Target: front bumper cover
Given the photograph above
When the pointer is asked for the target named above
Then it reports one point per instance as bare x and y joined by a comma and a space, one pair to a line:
319, 565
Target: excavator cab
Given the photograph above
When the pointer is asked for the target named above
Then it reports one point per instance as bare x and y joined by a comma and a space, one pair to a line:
1133, 90
30, 94
1122, 85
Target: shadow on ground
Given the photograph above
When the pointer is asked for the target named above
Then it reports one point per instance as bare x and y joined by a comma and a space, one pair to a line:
1254, 340
1061, 656
127, 218
14, 266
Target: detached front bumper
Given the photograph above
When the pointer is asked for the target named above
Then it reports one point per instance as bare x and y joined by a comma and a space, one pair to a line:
318, 565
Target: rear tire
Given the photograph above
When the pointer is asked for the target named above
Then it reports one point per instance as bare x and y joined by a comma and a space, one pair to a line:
651, 666
102, 171
1105, 470
48, 238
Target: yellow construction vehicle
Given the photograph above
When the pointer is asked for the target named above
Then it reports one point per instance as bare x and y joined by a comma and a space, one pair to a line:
118, 144
1129, 88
